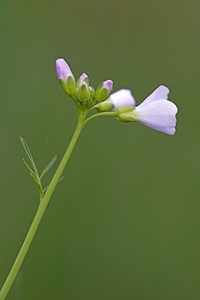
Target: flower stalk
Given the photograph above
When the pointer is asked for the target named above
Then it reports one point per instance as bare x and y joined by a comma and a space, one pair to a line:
156, 112
41, 209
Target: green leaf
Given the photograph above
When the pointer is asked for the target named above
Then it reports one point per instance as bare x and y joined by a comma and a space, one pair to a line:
50, 164
35, 179
27, 166
30, 157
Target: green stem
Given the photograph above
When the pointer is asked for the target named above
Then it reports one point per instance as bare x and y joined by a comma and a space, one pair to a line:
109, 113
41, 209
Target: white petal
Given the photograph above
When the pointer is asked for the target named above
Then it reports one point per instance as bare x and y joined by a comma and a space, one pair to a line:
122, 98
159, 115
160, 93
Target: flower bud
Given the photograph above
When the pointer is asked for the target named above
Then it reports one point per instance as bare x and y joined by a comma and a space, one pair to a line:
83, 92
103, 91
65, 76
82, 78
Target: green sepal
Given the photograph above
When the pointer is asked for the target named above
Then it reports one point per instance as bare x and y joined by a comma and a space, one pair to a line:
125, 114
125, 118
92, 92
69, 85
83, 93
125, 109
101, 93
104, 106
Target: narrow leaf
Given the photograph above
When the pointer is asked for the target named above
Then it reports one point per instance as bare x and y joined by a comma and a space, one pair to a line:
27, 166
28, 153
50, 164
35, 179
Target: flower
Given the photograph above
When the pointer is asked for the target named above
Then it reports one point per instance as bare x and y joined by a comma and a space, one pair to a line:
65, 76
155, 111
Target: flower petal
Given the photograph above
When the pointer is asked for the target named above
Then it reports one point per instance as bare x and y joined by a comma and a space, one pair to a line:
159, 115
62, 69
160, 93
121, 98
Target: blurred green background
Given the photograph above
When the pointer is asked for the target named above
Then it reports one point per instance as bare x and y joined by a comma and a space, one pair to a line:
124, 222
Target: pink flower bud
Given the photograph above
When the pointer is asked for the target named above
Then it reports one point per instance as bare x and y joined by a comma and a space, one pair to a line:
65, 76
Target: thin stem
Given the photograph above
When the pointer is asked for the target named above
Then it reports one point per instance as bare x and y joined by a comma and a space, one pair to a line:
108, 113
41, 209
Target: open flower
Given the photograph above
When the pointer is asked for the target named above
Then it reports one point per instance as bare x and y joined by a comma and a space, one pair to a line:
155, 111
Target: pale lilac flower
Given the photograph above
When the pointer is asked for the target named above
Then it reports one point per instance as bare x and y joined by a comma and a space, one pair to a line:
155, 111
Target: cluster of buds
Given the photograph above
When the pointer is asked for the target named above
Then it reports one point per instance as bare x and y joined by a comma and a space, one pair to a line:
81, 90
156, 111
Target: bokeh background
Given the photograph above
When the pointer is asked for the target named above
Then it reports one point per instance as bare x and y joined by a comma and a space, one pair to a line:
124, 223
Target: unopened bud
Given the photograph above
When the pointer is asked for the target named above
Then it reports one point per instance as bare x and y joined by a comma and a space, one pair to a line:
103, 91
82, 78
83, 93
65, 76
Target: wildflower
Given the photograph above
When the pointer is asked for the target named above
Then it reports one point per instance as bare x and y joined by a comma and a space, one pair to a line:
155, 111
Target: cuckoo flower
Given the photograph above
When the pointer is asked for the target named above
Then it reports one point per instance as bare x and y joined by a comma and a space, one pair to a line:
155, 111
